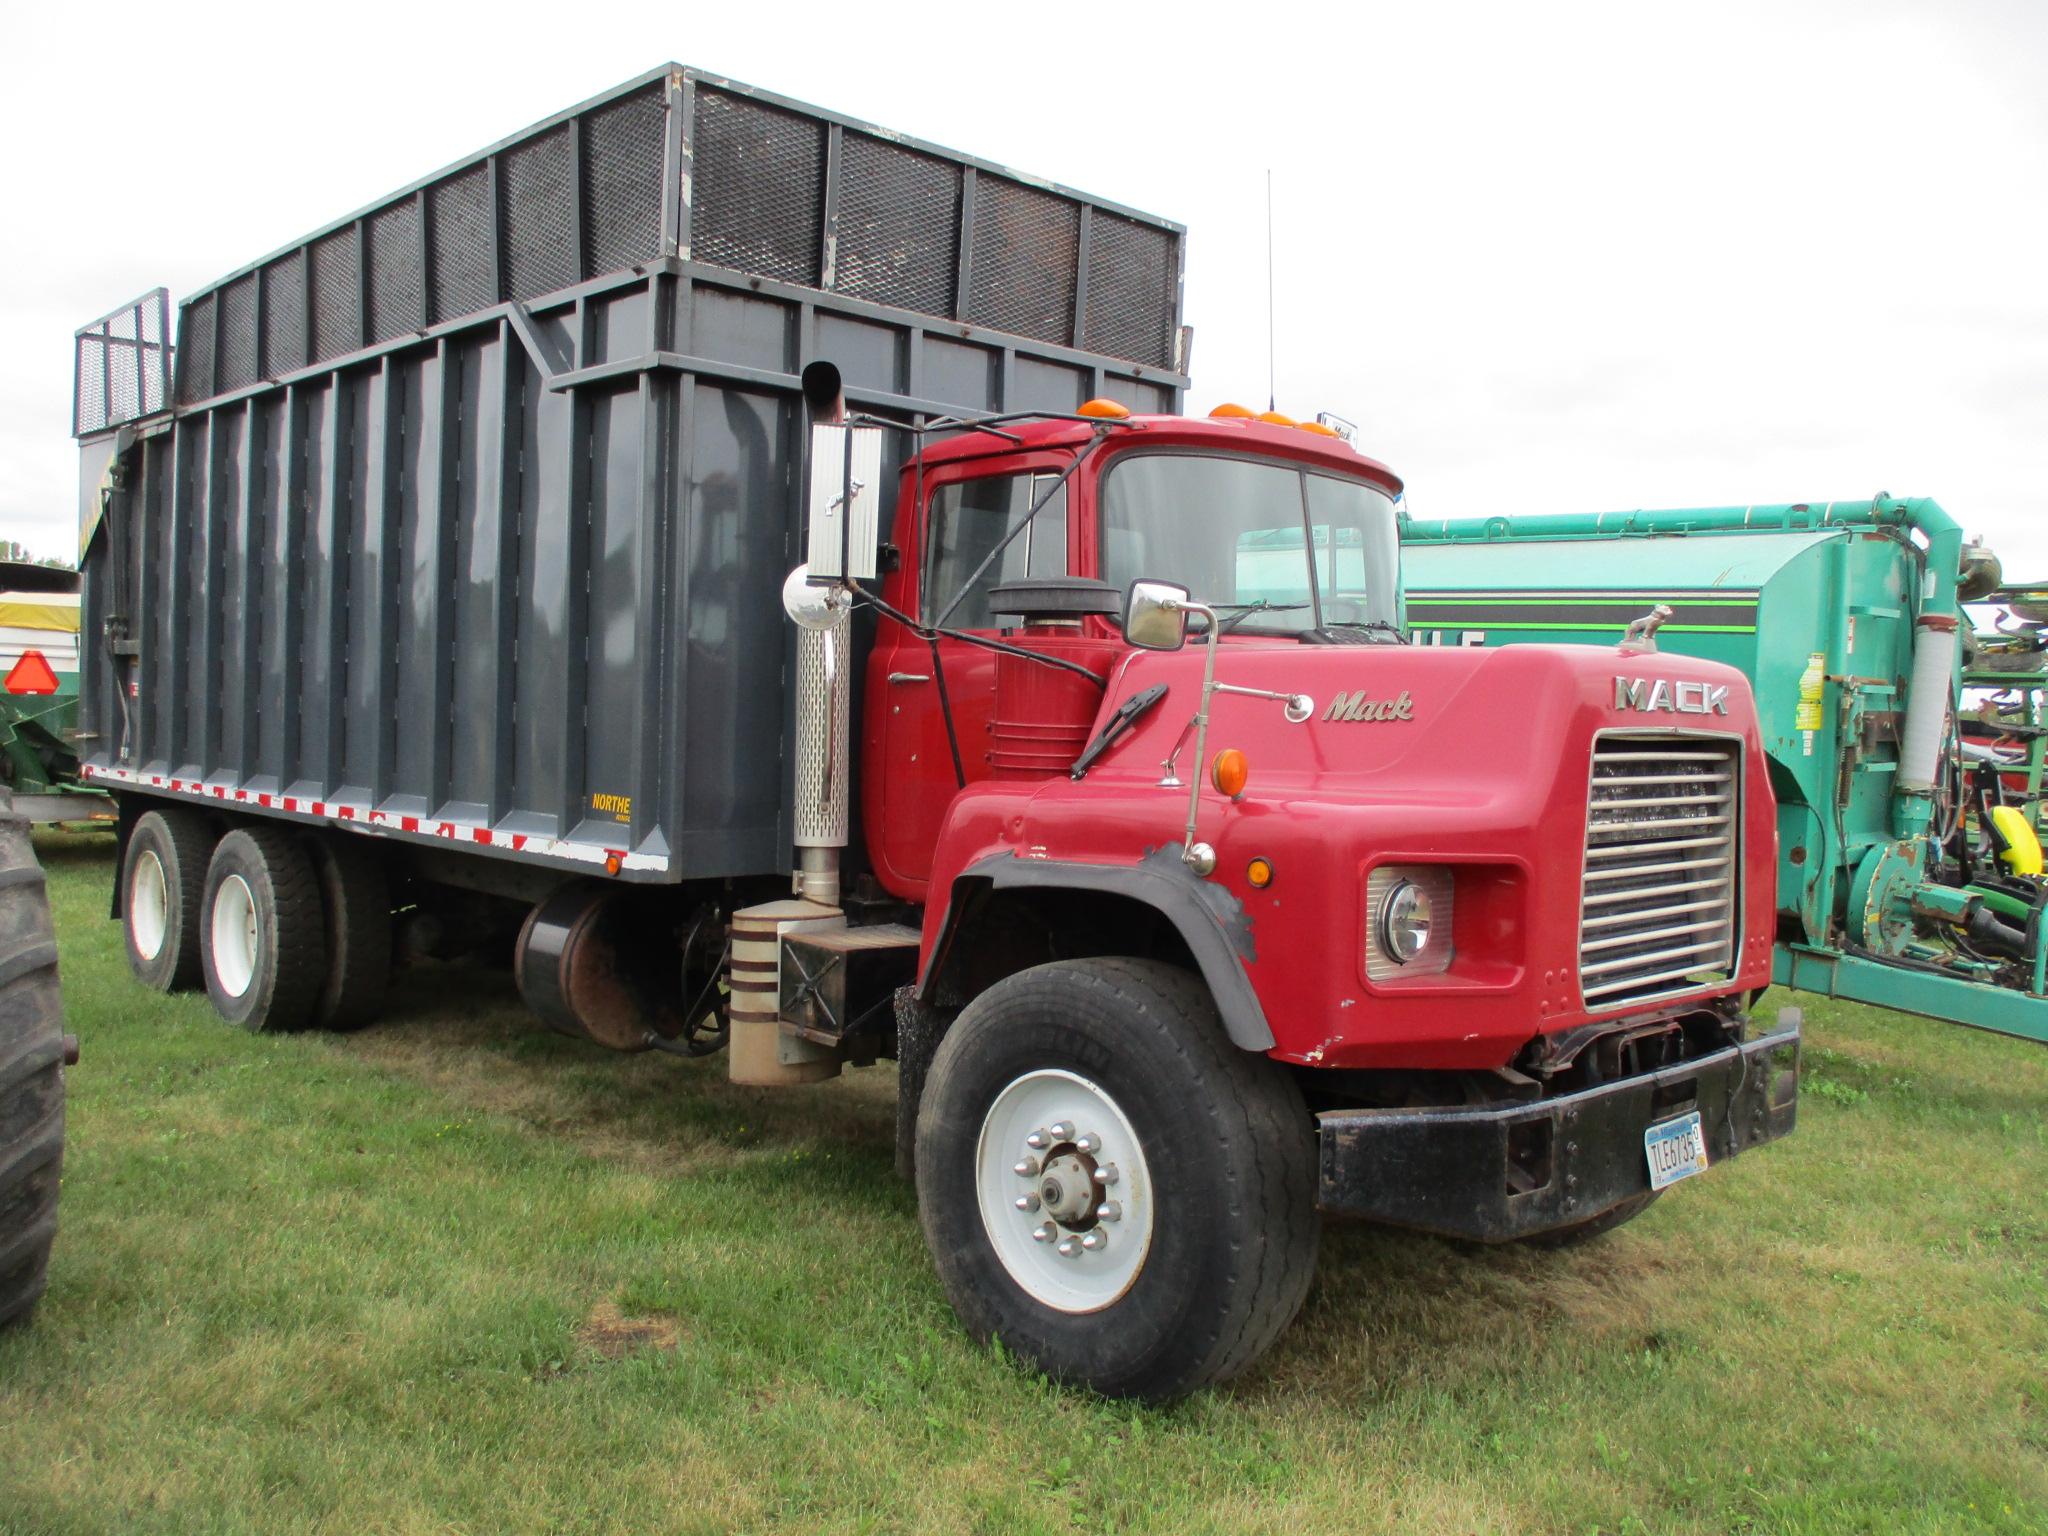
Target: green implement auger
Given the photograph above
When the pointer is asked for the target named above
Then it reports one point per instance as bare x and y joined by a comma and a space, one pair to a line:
1905, 749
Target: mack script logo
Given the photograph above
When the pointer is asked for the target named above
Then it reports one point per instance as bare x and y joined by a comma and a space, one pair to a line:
1356, 706
1674, 698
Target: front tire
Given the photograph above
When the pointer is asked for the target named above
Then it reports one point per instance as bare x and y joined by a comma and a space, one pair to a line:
263, 939
1115, 1074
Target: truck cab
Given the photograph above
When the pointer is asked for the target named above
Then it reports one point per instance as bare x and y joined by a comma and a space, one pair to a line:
1493, 916
1222, 505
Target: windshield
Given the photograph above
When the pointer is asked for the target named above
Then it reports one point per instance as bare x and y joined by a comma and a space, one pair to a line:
1300, 547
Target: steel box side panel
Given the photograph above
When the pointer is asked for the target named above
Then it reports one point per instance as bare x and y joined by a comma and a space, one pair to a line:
456, 588
731, 663
266, 608
461, 616
678, 165
483, 582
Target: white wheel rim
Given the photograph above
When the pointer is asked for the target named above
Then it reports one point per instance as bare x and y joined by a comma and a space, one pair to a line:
1046, 1131
149, 905
235, 943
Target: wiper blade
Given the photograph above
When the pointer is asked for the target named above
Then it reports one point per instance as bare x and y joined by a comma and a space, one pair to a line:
1243, 611
1127, 715
1326, 634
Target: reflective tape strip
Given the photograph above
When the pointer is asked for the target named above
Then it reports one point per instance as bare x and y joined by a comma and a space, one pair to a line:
417, 828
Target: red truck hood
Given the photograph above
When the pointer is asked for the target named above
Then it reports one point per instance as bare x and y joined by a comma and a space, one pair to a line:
1477, 759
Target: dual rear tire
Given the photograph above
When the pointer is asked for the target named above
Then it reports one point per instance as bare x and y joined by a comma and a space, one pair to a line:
163, 890
263, 937
284, 931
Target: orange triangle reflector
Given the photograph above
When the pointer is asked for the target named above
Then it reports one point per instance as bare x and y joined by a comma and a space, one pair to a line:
31, 674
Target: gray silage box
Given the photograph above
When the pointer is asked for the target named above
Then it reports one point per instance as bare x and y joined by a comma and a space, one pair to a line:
471, 515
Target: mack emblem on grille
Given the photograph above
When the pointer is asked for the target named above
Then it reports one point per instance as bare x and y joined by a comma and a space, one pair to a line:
1646, 693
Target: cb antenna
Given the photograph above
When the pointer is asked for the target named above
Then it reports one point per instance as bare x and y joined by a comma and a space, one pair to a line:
1272, 390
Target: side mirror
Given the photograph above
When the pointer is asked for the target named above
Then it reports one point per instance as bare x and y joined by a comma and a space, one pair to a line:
844, 498
1156, 615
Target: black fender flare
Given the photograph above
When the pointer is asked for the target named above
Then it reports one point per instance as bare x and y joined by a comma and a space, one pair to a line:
1211, 922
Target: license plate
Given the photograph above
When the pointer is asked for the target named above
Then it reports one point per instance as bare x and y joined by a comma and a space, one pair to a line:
1676, 1149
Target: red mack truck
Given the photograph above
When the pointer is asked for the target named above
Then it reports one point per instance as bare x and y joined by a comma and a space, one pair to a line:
434, 594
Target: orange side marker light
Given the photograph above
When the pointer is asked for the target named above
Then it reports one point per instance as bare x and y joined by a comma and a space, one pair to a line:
1230, 772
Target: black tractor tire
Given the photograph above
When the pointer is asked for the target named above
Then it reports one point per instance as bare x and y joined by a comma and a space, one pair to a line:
355, 904
1229, 1150
1595, 1226
171, 846
275, 962
32, 1052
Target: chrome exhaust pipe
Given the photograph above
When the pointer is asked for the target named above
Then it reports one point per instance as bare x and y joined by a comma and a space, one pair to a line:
824, 695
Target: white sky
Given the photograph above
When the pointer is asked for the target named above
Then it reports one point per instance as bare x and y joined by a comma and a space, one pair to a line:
1550, 257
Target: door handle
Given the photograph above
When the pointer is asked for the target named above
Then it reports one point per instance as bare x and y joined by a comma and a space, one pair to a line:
909, 677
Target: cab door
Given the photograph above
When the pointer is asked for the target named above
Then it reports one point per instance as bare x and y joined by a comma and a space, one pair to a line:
966, 517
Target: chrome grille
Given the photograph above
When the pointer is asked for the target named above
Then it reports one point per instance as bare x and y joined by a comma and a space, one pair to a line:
1657, 912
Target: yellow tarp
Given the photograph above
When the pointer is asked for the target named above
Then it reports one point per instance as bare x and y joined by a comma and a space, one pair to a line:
28, 610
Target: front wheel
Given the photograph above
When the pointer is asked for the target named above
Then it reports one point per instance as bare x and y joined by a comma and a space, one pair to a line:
1109, 1186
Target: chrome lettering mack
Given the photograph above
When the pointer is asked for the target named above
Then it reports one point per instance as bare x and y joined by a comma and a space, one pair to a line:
1674, 698
1356, 706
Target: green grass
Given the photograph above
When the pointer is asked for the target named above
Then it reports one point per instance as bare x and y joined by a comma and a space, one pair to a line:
389, 1283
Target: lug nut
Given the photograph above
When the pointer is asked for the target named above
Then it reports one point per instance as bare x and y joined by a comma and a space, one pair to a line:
1095, 1241
1027, 1203
1062, 1131
1038, 1141
1109, 1210
1044, 1233
1106, 1175
1089, 1142
1069, 1248
1027, 1169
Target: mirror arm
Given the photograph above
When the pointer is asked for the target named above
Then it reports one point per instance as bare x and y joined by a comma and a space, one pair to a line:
1169, 777
1299, 705
1187, 847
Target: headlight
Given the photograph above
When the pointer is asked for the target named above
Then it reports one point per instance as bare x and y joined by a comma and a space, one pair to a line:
1405, 916
1407, 921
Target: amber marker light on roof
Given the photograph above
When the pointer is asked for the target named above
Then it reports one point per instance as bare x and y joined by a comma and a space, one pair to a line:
1318, 428
1230, 772
1109, 410
1277, 419
1231, 411
1260, 873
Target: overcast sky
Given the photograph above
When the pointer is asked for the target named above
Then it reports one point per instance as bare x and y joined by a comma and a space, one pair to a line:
1550, 257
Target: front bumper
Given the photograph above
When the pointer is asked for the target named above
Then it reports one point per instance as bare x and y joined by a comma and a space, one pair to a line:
1494, 1174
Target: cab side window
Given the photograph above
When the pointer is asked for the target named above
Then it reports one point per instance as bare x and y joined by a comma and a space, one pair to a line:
968, 519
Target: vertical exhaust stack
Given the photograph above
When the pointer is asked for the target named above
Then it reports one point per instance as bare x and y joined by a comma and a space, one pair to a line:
824, 394
840, 498
842, 495
824, 730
